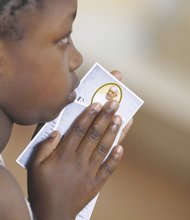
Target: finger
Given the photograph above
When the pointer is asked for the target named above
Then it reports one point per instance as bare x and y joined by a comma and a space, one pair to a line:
117, 74
125, 130
97, 129
80, 127
110, 165
106, 143
46, 148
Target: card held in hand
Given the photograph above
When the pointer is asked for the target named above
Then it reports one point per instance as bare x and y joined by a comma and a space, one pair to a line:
98, 85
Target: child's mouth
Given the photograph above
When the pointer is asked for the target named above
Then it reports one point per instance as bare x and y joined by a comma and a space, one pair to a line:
72, 96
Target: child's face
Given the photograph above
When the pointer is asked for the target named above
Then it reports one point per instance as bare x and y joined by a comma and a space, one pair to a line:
37, 73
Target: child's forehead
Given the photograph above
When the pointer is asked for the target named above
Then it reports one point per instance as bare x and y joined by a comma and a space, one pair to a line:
60, 6
60, 11
56, 15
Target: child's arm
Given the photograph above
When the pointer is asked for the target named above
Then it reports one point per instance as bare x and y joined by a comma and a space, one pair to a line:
66, 174
12, 203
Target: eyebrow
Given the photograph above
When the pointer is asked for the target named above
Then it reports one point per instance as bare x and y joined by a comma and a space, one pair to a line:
71, 16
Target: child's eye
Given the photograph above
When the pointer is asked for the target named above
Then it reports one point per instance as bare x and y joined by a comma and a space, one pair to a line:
63, 41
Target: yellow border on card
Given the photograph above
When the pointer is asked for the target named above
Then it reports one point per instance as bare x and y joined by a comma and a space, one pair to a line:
111, 83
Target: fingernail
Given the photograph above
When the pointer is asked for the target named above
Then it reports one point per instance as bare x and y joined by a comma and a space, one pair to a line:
117, 120
96, 106
118, 152
94, 109
113, 106
53, 134
119, 149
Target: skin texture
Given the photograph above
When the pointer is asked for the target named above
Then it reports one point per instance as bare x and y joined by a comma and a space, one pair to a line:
37, 73
37, 76
75, 163
12, 204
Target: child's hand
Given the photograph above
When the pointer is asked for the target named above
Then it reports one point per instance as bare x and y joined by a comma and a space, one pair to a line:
66, 174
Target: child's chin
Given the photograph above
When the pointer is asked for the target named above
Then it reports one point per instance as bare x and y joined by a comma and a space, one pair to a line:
37, 119
43, 116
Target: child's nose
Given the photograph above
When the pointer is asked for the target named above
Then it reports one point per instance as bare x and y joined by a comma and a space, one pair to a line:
76, 59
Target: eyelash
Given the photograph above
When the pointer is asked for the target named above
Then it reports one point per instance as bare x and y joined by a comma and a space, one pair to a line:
64, 41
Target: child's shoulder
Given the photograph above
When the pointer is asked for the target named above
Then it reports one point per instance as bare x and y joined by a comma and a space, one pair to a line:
7, 187
6, 178
12, 204
6, 184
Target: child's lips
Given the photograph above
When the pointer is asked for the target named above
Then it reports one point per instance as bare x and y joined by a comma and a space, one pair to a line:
72, 96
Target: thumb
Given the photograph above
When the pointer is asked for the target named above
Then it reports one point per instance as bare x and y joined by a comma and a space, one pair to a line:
46, 148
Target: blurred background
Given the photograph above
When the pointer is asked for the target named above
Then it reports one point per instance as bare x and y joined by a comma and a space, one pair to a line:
149, 42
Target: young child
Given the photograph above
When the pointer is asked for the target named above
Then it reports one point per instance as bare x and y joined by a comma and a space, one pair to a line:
37, 79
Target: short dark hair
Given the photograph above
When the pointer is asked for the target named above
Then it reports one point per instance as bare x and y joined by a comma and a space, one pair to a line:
10, 11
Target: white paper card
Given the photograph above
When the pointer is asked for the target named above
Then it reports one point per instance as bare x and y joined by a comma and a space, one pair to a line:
98, 85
